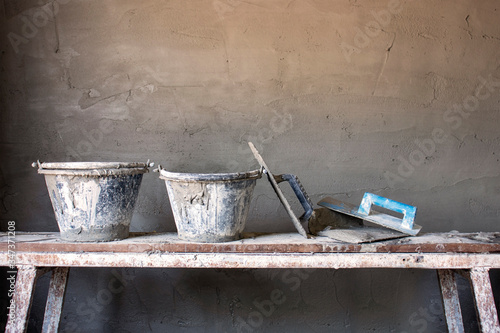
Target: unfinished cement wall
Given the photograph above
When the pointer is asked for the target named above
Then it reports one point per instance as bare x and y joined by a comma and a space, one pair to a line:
400, 98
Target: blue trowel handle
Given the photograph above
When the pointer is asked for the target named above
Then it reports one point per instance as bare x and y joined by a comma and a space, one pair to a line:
408, 211
299, 192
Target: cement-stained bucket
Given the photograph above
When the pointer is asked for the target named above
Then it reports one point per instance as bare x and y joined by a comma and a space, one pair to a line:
210, 207
93, 201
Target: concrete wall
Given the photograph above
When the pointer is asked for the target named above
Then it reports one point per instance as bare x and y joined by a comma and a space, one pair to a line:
400, 98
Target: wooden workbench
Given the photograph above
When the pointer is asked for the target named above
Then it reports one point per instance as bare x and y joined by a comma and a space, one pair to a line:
472, 255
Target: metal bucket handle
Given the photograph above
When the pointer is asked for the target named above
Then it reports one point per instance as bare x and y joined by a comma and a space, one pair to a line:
207, 177
101, 169
39, 164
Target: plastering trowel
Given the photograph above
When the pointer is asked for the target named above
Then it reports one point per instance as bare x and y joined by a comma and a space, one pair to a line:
297, 188
393, 227
344, 221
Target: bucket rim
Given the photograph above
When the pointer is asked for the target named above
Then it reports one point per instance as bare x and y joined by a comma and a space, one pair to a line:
209, 177
95, 169
91, 165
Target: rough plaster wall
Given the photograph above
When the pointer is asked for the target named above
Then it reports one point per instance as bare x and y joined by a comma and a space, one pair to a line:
351, 96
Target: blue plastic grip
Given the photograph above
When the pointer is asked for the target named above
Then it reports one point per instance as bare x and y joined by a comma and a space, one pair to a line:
408, 211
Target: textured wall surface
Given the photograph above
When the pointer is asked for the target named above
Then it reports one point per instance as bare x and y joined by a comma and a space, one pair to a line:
400, 98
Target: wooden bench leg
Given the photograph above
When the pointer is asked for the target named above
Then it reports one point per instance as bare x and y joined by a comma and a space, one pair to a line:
55, 299
25, 285
485, 303
451, 301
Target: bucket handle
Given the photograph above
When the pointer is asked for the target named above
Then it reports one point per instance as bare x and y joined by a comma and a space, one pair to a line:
149, 164
299, 191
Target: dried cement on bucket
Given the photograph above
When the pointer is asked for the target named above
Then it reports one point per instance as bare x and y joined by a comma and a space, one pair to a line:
210, 207
92, 202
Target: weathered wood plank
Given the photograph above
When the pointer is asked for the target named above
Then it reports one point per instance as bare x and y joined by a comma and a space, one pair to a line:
451, 301
258, 260
55, 299
485, 303
25, 285
265, 243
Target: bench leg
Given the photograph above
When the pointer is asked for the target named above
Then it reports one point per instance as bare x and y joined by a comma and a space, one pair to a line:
55, 299
25, 285
485, 303
451, 301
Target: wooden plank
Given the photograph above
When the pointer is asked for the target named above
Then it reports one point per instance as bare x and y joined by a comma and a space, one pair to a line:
258, 260
451, 301
25, 285
264, 243
485, 303
55, 299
